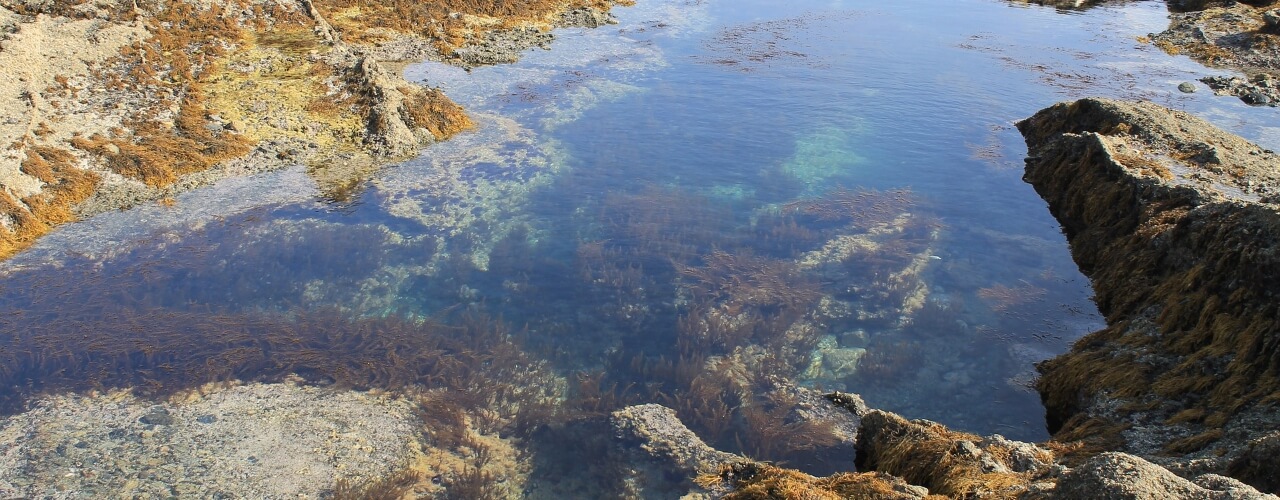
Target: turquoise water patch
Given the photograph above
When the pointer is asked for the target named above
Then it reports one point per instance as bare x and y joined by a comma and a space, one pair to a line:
825, 156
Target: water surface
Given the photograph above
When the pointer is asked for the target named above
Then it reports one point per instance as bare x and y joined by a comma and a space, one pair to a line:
704, 206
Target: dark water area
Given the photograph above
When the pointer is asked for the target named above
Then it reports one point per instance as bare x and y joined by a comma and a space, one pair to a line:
705, 206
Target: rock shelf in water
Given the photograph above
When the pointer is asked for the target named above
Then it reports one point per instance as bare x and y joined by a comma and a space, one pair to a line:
1177, 225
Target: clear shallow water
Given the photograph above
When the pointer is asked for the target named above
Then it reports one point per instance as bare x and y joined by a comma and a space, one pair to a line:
701, 206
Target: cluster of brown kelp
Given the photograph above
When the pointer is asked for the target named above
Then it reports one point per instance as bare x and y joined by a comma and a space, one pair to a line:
707, 313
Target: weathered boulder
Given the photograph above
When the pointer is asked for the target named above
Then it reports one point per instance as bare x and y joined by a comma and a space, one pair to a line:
1177, 224
1120, 476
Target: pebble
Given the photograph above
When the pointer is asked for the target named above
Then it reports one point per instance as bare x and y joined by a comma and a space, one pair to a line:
1187, 87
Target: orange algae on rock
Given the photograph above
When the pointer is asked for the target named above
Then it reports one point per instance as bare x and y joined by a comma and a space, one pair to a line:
1184, 269
760, 481
66, 184
184, 95
450, 23
947, 462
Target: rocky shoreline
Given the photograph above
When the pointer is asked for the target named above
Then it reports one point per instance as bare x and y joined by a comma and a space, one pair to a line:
119, 103
1241, 36
1175, 221
904, 459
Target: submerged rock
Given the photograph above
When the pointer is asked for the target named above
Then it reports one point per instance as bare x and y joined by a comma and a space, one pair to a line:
1176, 222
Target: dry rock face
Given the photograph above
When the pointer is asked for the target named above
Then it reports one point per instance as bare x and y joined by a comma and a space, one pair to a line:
658, 431
1177, 225
1121, 476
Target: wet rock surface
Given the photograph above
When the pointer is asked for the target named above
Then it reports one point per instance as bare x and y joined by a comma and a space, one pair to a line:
1242, 36
914, 459
1176, 223
1259, 90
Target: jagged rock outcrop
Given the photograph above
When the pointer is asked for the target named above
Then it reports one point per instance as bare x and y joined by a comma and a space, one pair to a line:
389, 131
1177, 225
951, 463
900, 459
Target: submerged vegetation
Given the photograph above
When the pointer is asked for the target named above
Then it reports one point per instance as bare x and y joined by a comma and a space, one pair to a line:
714, 328
723, 303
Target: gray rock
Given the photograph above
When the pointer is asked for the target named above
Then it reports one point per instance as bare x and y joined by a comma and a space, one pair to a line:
389, 132
1120, 476
1187, 87
1259, 462
586, 17
1022, 457
157, 416
1271, 18
1259, 90
1256, 99
660, 434
851, 402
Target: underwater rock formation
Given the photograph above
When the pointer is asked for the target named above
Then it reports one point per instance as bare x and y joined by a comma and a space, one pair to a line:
1177, 225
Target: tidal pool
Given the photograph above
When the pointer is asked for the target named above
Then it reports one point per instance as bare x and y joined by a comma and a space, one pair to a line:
703, 206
